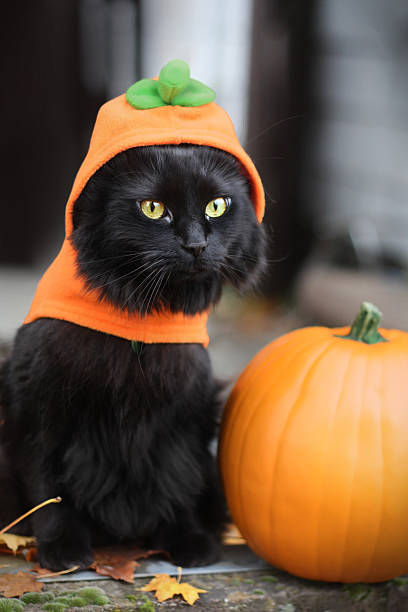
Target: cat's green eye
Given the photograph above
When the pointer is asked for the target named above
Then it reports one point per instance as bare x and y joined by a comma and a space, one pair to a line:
152, 209
217, 207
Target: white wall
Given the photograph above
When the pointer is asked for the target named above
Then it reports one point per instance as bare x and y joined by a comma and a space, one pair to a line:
213, 37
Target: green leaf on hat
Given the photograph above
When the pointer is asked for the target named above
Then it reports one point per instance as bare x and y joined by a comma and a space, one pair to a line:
174, 87
194, 94
144, 94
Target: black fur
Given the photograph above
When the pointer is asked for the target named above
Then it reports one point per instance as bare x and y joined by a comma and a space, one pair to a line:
122, 437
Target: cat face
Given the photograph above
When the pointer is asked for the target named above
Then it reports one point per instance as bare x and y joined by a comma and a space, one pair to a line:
167, 226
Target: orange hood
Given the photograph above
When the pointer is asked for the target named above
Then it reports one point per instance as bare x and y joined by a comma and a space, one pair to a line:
61, 294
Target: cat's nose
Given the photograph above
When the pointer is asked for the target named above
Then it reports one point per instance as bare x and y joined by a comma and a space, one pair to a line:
196, 248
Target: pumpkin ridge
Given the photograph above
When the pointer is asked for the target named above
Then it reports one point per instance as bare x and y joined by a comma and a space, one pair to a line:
329, 345
292, 357
232, 428
353, 478
230, 416
381, 512
324, 459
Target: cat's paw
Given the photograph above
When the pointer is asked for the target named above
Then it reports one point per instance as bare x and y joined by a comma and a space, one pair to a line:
64, 554
195, 550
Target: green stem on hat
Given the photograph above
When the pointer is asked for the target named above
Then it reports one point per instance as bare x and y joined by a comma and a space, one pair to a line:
173, 78
365, 325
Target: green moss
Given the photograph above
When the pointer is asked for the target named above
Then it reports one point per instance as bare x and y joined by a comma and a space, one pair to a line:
258, 592
147, 605
31, 598
36, 598
64, 600
78, 602
357, 591
400, 581
94, 595
55, 606
11, 605
269, 579
47, 596
132, 597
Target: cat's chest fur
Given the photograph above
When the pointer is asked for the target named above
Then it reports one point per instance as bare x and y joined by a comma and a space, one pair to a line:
109, 419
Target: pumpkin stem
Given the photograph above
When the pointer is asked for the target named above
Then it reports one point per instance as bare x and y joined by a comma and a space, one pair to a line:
365, 325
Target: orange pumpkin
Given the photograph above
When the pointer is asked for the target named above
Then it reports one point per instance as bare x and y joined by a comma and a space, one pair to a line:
314, 452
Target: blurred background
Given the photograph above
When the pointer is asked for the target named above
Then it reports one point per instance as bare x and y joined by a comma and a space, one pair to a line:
317, 91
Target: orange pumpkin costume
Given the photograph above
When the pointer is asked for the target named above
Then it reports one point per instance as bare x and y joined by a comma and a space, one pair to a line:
61, 293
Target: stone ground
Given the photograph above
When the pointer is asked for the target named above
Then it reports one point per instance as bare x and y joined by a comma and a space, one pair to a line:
237, 332
252, 592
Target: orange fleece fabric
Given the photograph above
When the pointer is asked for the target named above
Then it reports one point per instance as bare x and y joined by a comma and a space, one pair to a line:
61, 293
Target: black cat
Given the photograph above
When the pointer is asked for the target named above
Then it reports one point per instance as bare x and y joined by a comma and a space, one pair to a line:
123, 436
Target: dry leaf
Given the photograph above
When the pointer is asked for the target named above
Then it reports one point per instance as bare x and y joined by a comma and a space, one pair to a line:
116, 568
166, 587
119, 562
232, 536
45, 573
14, 585
14, 542
29, 554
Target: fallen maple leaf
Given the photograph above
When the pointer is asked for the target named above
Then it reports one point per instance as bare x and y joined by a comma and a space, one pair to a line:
119, 562
232, 536
14, 542
166, 587
14, 585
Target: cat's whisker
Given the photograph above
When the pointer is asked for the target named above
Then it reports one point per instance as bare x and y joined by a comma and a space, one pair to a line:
114, 280
167, 280
124, 254
147, 291
229, 267
166, 275
158, 262
142, 268
125, 263
232, 277
268, 260
152, 291
239, 273
128, 261
155, 291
